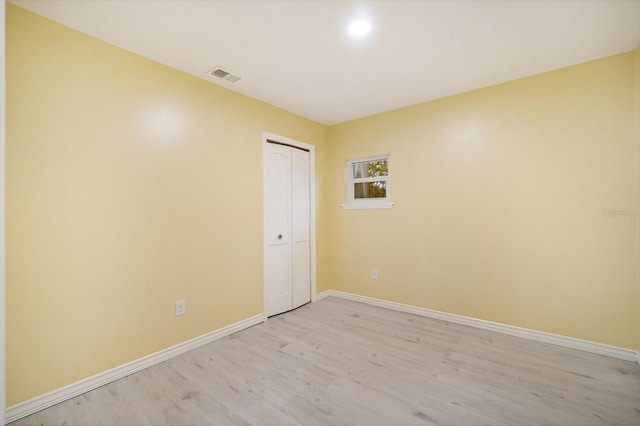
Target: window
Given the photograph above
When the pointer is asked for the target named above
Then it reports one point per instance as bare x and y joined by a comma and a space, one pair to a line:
368, 183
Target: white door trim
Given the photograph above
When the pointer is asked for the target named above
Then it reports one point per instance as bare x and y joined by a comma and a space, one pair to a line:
266, 136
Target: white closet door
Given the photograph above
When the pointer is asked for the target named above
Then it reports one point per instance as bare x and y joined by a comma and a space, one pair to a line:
287, 246
277, 255
300, 226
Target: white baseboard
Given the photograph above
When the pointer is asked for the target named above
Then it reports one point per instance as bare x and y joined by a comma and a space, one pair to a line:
57, 396
541, 336
325, 294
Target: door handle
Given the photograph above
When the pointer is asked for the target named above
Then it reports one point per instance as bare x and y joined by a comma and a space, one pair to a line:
280, 236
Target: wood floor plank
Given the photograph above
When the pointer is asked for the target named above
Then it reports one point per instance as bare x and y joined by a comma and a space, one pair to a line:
338, 362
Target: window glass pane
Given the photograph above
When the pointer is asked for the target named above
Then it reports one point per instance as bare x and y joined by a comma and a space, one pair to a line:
370, 190
370, 169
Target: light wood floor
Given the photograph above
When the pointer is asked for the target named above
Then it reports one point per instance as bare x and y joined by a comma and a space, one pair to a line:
338, 362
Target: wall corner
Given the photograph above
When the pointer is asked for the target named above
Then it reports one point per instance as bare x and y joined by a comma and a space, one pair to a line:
636, 73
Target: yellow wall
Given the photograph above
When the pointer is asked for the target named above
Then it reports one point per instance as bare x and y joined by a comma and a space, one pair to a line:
2, 216
499, 199
130, 185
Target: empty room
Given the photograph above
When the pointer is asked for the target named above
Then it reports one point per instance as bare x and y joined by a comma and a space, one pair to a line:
305, 212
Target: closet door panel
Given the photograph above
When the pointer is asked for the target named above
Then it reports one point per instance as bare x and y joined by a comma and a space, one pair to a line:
300, 192
277, 257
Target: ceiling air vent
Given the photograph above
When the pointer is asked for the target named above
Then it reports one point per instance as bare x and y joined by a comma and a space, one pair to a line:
223, 74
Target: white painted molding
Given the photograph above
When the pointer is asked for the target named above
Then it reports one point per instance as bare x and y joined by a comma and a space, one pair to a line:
525, 333
57, 396
367, 206
324, 295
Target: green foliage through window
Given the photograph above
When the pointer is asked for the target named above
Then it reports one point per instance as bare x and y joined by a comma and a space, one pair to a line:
370, 169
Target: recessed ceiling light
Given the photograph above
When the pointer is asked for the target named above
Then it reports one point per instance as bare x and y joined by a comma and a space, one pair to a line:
359, 28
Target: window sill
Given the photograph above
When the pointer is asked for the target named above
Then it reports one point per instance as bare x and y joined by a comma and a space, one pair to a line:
365, 206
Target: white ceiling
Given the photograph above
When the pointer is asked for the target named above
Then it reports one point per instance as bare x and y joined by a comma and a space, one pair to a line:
296, 54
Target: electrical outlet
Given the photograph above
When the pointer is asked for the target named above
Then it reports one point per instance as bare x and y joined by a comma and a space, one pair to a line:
374, 274
181, 307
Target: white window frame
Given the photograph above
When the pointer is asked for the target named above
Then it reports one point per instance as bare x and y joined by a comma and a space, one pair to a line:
367, 203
